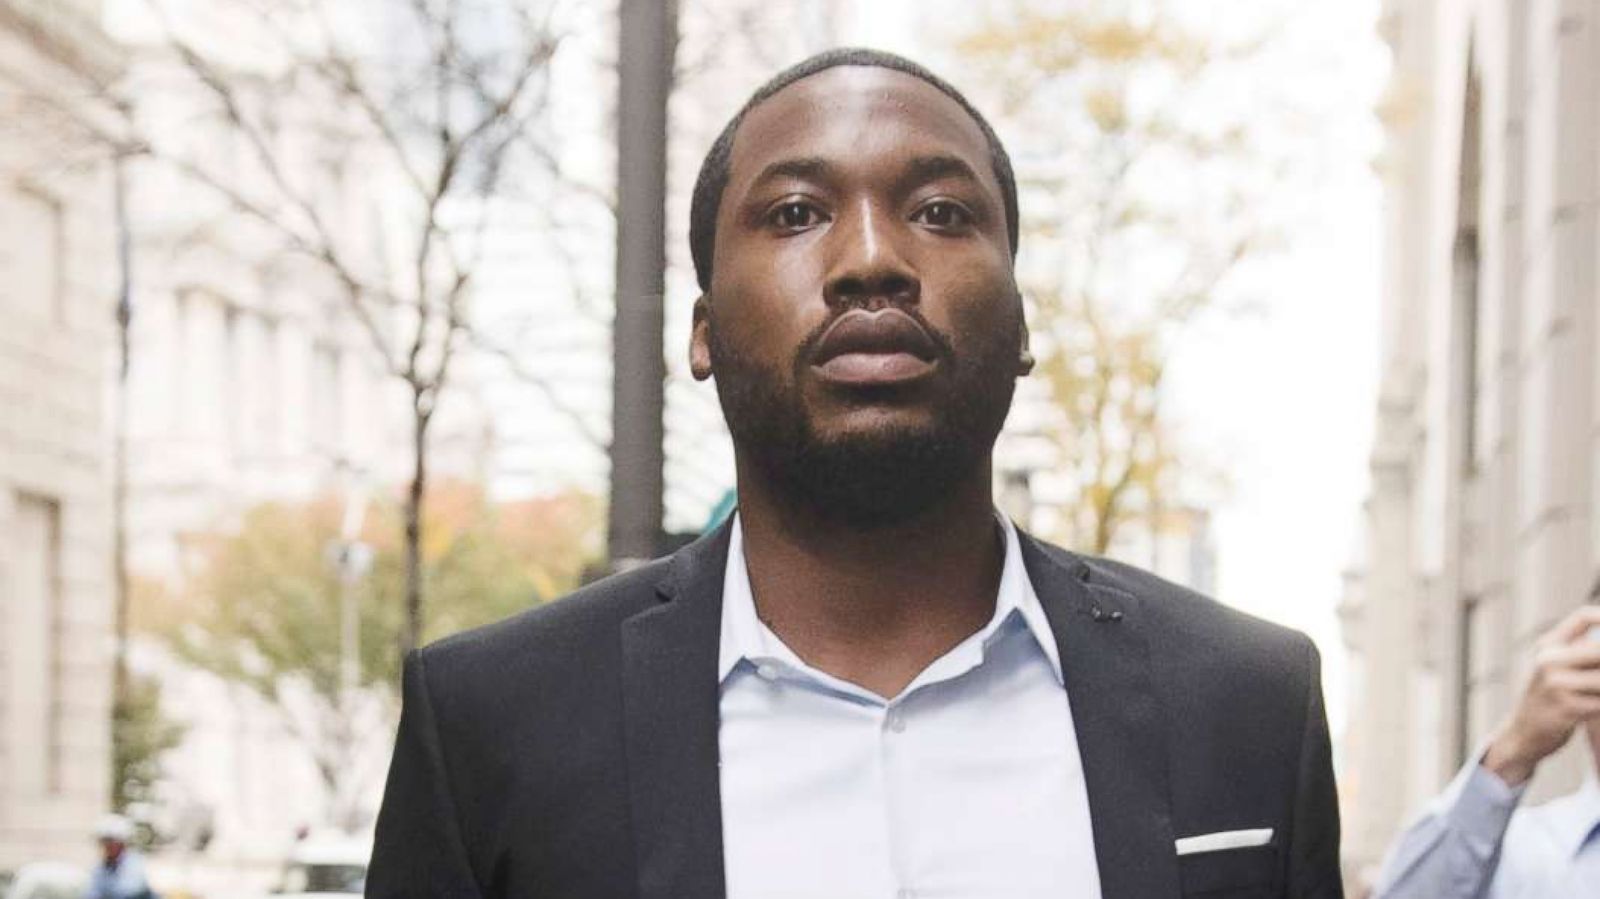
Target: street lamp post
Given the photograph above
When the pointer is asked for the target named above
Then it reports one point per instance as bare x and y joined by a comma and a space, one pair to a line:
647, 32
351, 559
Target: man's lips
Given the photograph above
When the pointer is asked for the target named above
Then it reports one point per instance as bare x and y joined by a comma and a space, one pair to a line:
875, 348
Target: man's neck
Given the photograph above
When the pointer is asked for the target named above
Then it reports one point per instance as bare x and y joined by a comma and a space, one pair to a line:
873, 606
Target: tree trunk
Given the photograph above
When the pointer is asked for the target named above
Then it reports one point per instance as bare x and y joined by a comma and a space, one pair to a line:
422, 414
1104, 529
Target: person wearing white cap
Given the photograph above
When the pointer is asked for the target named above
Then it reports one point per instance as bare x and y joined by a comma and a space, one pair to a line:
120, 874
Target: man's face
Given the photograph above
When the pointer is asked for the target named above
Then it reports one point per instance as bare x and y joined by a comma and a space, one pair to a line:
863, 322
111, 850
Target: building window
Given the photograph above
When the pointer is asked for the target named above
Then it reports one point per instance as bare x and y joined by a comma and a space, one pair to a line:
233, 383
179, 358
327, 399
267, 373
34, 237
33, 632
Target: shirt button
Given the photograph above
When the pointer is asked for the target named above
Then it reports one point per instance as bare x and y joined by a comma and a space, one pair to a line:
767, 671
906, 894
897, 723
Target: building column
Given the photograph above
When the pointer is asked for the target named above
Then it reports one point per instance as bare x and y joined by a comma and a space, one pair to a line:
1555, 554
1381, 726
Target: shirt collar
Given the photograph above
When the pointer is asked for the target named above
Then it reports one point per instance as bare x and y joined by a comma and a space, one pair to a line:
744, 637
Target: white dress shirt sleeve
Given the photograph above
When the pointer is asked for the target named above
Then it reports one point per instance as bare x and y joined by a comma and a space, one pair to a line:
1453, 851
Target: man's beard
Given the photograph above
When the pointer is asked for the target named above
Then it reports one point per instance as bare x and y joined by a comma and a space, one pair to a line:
880, 477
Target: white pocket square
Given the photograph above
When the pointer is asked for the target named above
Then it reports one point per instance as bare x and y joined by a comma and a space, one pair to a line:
1225, 839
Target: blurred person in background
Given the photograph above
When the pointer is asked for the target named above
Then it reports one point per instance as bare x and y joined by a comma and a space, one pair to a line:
1474, 842
121, 872
868, 682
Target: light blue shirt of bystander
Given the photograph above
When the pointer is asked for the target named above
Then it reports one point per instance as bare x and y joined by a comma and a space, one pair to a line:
1475, 843
125, 881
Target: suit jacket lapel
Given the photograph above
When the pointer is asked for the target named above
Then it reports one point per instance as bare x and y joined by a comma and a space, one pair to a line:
670, 710
1105, 663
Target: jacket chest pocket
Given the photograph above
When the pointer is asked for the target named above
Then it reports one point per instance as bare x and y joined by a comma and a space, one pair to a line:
1249, 873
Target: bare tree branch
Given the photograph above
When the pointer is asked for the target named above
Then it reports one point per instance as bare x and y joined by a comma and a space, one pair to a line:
515, 365
317, 114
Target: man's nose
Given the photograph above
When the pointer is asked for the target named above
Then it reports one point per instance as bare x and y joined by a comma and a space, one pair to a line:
869, 271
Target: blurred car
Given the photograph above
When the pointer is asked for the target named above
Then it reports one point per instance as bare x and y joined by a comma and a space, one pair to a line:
326, 866
45, 880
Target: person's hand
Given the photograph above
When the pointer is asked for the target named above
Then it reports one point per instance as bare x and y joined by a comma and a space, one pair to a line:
1563, 692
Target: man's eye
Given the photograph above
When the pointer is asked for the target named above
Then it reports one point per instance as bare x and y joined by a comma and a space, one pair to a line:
795, 216
943, 214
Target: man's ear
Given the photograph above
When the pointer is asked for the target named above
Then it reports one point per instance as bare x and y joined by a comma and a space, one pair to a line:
1025, 359
700, 340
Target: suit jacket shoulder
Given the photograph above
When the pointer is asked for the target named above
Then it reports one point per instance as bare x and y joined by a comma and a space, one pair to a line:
521, 726
1238, 715
560, 638
1216, 667
1207, 625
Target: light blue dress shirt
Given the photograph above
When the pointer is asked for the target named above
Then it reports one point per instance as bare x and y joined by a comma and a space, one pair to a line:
1474, 843
125, 881
967, 785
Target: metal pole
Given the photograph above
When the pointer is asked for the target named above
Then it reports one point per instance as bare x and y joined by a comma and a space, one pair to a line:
119, 462
353, 558
648, 34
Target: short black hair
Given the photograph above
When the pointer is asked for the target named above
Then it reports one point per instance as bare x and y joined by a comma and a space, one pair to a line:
713, 179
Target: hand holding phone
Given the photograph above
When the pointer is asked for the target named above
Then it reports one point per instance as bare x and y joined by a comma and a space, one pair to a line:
1563, 692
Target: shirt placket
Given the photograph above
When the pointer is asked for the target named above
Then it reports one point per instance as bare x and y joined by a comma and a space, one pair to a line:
895, 759
887, 719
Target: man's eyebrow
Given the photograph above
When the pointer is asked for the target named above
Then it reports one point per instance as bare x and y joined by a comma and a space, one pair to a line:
923, 169
801, 167
919, 170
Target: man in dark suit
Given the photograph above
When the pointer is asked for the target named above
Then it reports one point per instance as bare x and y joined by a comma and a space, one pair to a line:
868, 682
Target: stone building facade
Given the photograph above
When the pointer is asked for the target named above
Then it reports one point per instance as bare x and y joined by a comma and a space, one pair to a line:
57, 295
1481, 521
251, 382
250, 379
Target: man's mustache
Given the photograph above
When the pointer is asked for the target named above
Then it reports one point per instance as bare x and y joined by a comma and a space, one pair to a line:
943, 347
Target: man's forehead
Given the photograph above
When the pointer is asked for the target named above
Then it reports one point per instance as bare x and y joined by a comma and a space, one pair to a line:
845, 110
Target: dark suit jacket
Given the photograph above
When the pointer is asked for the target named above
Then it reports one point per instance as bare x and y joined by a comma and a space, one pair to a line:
571, 751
